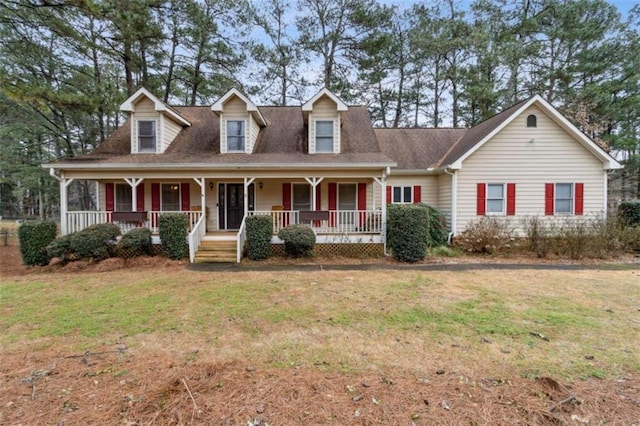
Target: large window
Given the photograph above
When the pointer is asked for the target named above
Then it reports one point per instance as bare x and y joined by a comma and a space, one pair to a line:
123, 197
495, 198
402, 195
324, 136
301, 197
235, 136
170, 197
564, 198
146, 136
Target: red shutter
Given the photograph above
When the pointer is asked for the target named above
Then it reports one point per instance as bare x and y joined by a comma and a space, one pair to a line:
333, 202
362, 203
389, 199
548, 198
318, 197
511, 199
286, 196
417, 194
481, 201
140, 197
186, 197
579, 198
108, 195
286, 203
155, 197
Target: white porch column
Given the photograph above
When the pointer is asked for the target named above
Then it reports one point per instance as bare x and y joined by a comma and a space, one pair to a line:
133, 183
313, 181
64, 184
247, 182
383, 206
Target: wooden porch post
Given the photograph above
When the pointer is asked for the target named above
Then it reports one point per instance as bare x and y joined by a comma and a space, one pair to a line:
200, 181
133, 183
64, 204
247, 182
313, 181
383, 207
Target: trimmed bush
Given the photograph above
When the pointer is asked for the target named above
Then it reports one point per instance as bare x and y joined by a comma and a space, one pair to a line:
174, 229
34, 238
298, 240
408, 231
629, 213
95, 242
259, 231
136, 242
61, 247
437, 232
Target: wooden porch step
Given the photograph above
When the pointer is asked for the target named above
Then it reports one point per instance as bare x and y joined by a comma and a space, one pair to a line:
216, 251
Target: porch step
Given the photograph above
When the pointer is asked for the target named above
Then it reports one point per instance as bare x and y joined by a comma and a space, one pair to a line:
216, 251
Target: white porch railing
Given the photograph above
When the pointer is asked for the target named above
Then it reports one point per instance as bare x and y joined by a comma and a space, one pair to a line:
195, 237
242, 236
78, 220
339, 222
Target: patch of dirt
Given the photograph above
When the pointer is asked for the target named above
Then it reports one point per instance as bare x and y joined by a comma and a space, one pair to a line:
118, 385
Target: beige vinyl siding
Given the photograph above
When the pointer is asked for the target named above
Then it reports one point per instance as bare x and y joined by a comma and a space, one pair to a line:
324, 109
530, 157
145, 110
444, 196
170, 130
252, 134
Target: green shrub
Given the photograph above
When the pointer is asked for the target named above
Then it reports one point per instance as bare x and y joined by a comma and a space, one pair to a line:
629, 213
34, 238
488, 235
408, 231
437, 233
259, 231
136, 242
95, 242
61, 248
298, 240
174, 229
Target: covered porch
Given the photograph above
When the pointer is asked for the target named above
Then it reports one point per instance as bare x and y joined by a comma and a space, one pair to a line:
339, 208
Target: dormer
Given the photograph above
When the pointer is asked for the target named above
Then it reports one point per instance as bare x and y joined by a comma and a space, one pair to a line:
322, 114
240, 122
154, 124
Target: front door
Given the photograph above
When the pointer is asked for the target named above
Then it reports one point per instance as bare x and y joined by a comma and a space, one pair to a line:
230, 205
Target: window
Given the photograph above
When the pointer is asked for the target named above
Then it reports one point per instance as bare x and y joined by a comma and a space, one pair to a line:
532, 121
235, 136
324, 136
123, 198
146, 136
402, 195
170, 197
563, 198
495, 198
301, 197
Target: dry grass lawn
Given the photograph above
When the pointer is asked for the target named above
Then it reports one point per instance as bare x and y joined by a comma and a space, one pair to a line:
160, 344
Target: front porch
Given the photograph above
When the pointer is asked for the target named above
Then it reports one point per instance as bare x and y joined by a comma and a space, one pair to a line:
340, 210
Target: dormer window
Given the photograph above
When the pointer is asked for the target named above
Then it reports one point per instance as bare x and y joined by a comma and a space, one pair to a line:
532, 121
146, 136
235, 135
324, 136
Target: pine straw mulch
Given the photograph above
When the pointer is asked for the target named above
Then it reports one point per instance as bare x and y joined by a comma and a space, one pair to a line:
119, 385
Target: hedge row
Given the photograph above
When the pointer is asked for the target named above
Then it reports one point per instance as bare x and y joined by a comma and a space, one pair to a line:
34, 238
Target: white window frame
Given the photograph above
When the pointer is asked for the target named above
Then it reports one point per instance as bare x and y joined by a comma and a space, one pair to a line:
162, 209
571, 199
332, 135
154, 135
243, 136
118, 187
403, 198
502, 199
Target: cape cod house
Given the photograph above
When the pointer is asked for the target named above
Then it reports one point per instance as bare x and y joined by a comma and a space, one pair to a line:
324, 164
